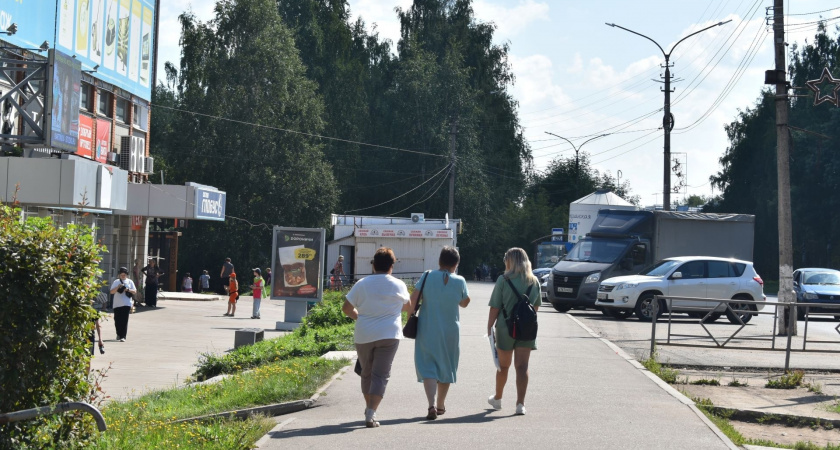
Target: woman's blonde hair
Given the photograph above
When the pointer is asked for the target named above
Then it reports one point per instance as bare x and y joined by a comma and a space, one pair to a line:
519, 264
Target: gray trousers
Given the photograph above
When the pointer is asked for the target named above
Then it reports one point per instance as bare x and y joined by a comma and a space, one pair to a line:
376, 358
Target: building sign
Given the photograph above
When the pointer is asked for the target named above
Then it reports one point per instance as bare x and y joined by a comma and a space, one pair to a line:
137, 223
86, 147
64, 78
209, 204
115, 35
298, 262
35, 20
103, 140
403, 233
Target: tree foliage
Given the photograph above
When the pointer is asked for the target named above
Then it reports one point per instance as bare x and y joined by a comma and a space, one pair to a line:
747, 177
47, 285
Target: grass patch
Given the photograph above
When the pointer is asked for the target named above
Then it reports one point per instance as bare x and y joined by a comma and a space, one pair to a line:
667, 374
814, 387
706, 382
737, 383
215, 434
790, 380
324, 329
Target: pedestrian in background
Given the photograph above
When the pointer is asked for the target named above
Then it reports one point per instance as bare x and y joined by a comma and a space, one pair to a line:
267, 277
204, 281
186, 283
153, 273
376, 304
518, 270
337, 272
124, 290
437, 347
233, 294
257, 292
227, 270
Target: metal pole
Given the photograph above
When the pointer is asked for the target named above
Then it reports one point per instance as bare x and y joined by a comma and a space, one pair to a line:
789, 337
452, 134
654, 306
783, 171
667, 124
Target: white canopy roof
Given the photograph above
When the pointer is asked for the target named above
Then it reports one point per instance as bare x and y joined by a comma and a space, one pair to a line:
602, 197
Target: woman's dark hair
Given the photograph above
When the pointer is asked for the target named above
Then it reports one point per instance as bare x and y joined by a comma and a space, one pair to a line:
383, 259
449, 257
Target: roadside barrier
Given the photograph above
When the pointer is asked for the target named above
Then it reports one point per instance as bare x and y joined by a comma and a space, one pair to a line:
28, 414
739, 308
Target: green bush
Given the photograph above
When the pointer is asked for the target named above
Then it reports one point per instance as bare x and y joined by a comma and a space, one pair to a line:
48, 279
323, 330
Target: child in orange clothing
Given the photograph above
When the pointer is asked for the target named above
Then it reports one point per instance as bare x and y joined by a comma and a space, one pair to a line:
233, 291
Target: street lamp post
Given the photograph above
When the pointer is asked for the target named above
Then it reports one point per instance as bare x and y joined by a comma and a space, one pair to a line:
577, 150
668, 118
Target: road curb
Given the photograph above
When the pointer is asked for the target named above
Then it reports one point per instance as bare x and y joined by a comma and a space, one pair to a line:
312, 401
659, 382
790, 420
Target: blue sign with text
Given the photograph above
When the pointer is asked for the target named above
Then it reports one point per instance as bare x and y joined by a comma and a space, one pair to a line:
209, 204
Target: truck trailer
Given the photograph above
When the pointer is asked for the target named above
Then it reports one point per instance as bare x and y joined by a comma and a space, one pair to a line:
626, 242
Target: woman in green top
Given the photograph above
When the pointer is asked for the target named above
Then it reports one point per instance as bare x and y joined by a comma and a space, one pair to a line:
518, 270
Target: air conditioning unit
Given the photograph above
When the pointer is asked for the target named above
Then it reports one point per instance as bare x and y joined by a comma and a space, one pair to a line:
150, 165
417, 218
132, 153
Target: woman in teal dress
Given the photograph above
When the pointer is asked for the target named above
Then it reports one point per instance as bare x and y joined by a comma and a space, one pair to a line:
518, 270
437, 347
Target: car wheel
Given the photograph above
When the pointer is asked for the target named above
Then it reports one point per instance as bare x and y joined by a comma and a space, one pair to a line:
644, 308
561, 308
714, 317
609, 312
741, 312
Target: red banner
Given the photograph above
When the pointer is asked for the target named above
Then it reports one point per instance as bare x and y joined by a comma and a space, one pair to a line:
103, 140
85, 147
136, 223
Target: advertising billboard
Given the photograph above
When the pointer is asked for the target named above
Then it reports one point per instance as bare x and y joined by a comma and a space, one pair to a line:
35, 20
116, 36
85, 137
64, 78
298, 262
209, 204
103, 140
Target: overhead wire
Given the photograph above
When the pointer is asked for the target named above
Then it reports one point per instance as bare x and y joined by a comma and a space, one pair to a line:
440, 185
401, 195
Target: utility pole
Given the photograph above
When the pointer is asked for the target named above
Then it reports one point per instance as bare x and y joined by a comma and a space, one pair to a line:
667, 118
453, 132
786, 320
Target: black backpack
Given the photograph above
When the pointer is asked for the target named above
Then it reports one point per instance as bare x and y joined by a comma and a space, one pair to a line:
522, 323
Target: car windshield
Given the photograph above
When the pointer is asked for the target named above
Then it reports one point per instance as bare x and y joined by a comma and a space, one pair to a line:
822, 278
598, 250
660, 269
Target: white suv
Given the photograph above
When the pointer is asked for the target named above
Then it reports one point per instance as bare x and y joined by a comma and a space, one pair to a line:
686, 276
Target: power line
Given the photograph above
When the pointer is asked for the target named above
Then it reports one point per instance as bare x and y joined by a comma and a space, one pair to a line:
348, 141
401, 195
625, 152
441, 182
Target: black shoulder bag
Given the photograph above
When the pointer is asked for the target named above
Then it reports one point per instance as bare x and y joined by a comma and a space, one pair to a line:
410, 328
522, 323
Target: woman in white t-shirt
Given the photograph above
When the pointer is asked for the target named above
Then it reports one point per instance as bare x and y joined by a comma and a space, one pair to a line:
124, 291
376, 304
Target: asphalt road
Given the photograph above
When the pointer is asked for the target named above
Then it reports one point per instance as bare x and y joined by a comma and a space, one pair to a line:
633, 337
573, 400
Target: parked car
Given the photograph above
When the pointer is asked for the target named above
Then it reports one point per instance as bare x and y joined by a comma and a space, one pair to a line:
542, 273
813, 285
687, 276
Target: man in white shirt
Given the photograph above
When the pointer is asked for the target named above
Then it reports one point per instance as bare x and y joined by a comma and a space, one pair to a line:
124, 291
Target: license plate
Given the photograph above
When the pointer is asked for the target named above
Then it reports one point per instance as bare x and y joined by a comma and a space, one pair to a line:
565, 289
602, 296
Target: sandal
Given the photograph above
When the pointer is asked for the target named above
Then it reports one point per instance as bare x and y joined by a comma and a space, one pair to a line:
432, 413
440, 411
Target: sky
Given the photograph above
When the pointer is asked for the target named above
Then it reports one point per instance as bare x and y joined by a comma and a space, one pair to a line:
578, 78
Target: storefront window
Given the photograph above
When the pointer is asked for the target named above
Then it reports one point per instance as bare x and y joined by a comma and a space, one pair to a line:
122, 110
87, 97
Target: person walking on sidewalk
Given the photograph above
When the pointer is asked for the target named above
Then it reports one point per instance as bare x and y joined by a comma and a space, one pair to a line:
338, 272
124, 290
233, 295
376, 304
437, 347
152, 272
204, 281
227, 270
518, 270
257, 292
186, 283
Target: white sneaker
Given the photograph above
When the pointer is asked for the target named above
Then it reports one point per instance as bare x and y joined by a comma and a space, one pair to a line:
495, 403
520, 409
122, 340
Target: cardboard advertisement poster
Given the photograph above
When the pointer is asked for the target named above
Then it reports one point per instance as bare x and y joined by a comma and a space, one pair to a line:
298, 262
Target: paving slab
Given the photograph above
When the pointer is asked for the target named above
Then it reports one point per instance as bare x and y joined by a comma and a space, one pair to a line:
583, 394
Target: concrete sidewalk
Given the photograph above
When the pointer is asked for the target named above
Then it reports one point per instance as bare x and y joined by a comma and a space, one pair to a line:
583, 394
164, 343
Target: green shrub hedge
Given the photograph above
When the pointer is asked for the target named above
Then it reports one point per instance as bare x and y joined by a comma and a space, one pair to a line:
48, 279
324, 329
